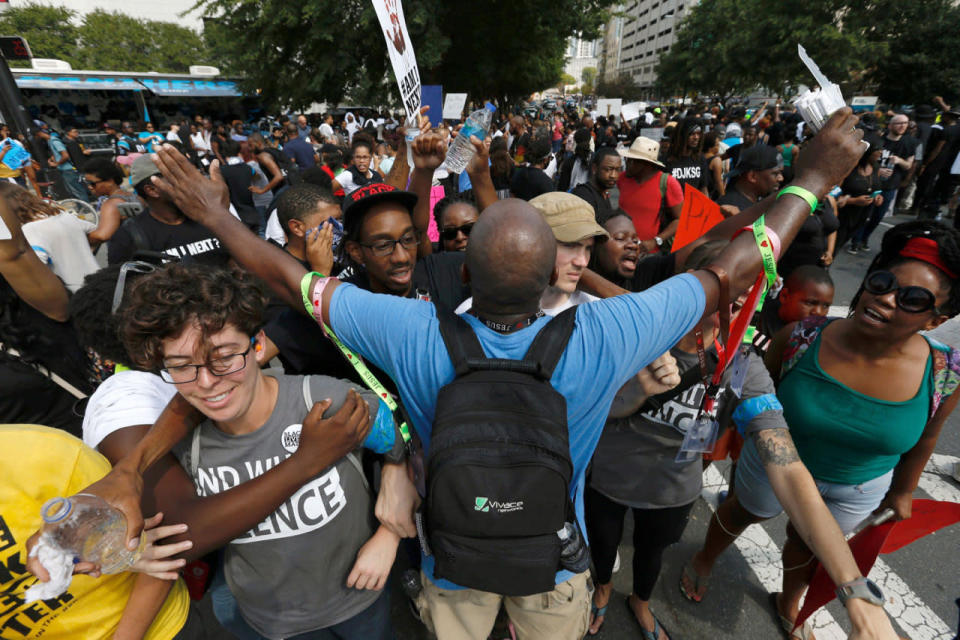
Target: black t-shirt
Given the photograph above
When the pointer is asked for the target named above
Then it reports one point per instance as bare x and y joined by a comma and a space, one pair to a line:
737, 199
600, 202
304, 350
811, 241
903, 148
854, 185
75, 153
529, 182
239, 177
188, 241
652, 270
692, 171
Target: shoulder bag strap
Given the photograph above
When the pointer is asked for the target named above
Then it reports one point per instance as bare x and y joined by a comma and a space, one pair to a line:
460, 340
308, 400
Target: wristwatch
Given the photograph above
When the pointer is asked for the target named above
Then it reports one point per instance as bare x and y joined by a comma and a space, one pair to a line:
863, 588
658, 240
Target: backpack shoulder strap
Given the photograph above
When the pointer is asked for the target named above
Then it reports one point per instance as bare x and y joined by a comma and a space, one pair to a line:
461, 342
803, 335
548, 346
351, 457
664, 177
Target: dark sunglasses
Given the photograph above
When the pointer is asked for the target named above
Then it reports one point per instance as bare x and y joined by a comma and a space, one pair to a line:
450, 233
911, 299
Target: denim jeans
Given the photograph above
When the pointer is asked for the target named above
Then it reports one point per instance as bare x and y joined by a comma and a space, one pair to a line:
74, 184
862, 236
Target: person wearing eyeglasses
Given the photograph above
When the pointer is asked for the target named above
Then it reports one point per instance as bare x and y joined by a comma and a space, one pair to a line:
865, 397
318, 561
103, 179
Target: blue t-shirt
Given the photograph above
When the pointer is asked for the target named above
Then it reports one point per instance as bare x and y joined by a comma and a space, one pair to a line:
612, 340
301, 152
57, 148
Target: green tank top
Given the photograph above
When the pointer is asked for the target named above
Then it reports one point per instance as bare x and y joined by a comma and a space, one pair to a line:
787, 155
844, 436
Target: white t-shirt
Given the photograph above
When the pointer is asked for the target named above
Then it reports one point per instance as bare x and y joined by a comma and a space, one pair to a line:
125, 399
326, 131
577, 297
273, 230
61, 242
345, 180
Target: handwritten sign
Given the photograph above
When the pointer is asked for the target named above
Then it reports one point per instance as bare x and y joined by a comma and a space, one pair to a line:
453, 106
699, 215
400, 48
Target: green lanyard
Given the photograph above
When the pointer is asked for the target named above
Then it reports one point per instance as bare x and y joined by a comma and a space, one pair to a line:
769, 267
352, 357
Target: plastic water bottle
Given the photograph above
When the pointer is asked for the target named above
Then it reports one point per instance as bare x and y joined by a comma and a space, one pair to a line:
573, 552
89, 528
460, 152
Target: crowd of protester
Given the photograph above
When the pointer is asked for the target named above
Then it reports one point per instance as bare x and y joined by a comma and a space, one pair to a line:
206, 337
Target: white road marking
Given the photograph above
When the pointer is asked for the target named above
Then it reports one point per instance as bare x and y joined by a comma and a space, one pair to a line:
762, 554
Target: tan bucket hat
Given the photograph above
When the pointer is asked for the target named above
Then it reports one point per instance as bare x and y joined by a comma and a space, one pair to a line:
644, 149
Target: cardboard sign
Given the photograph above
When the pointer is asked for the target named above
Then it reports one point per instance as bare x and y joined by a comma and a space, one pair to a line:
453, 106
699, 215
400, 48
632, 110
609, 107
433, 97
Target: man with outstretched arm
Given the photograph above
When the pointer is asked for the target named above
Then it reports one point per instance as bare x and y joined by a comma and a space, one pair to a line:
509, 263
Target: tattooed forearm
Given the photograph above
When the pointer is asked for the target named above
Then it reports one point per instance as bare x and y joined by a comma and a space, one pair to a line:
776, 447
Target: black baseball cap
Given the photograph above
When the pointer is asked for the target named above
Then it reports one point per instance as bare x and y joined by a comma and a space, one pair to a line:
759, 157
360, 200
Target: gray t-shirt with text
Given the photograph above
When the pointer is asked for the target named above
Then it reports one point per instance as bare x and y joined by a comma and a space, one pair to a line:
289, 572
635, 460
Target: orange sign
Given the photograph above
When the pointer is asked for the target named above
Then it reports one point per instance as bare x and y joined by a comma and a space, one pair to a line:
698, 216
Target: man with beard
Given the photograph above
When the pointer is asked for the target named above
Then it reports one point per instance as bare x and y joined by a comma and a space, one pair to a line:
162, 227
604, 172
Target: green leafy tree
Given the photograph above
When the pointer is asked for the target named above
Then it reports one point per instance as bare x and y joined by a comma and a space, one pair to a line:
113, 40
296, 53
49, 31
623, 86
589, 77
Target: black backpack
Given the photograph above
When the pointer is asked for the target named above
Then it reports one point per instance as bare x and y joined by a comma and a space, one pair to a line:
499, 468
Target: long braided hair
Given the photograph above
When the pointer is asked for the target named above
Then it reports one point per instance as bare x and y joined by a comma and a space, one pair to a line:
948, 243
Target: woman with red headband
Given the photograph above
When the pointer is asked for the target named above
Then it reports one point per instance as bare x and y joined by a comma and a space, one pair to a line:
865, 398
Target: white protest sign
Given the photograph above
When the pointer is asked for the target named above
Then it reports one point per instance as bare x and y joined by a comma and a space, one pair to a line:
453, 105
400, 47
631, 110
609, 106
4, 232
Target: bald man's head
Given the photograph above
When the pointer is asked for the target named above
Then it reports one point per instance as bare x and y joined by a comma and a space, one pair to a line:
510, 258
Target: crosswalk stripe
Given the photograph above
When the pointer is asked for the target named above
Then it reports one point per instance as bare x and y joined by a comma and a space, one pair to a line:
762, 554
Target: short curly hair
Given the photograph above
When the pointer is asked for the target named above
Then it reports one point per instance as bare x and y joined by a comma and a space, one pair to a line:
166, 302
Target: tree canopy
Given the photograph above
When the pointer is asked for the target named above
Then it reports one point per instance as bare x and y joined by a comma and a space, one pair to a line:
730, 47
104, 40
296, 53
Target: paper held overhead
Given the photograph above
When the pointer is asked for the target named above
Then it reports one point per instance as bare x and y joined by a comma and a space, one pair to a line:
817, 106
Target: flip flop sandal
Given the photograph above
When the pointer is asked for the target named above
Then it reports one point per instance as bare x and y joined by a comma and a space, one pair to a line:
698, 583
657, 625
597, 612
803, 632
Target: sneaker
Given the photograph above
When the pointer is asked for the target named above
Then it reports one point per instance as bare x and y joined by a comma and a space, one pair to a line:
865, 247
852, 249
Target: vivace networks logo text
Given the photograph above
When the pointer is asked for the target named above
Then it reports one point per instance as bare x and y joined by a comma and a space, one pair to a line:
485, 505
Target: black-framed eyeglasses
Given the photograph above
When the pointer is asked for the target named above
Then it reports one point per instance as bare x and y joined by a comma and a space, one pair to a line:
383, 248
181, 374
93, 183
911, 299
450, 233
137, 266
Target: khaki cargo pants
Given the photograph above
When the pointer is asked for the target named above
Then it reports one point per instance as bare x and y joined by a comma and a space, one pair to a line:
468, 614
